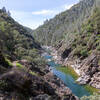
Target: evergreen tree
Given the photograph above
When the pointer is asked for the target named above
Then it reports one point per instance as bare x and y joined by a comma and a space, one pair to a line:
9, 14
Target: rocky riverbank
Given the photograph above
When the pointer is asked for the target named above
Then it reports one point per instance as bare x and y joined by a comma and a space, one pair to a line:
57, 84
60, 88
58, 59
87, 69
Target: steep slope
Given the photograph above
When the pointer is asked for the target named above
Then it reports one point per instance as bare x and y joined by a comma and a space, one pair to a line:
84, 52
13, 36
65, 25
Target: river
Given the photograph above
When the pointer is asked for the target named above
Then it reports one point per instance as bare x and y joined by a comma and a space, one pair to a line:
68, 80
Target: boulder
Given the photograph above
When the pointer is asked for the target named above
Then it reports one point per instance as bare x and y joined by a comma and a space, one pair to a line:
95, 80
42, 97
83, 79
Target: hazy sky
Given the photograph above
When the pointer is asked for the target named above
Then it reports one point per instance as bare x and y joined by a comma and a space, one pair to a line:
33, 13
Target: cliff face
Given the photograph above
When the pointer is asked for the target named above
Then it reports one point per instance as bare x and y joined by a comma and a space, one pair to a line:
23, 72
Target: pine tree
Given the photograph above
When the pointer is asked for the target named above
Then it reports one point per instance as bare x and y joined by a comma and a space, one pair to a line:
9, 14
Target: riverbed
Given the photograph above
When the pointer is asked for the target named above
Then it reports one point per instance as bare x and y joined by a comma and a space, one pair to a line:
67, 78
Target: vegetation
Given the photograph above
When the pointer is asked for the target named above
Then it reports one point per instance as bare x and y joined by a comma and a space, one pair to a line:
9, 62
65, 25
19, 65
68, 70
16, 41
33, 73
91, 89
3, 84
16, 45
89, 39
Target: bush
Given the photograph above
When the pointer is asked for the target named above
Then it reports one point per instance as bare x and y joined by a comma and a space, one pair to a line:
89, 28
98, 48
3, 84
19, 65
9, 62
81, 51
84, 53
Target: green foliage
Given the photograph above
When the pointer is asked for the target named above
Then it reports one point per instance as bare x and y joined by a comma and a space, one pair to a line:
98, 48
2, 25
33, 73
68, 70
89, 28
9, 62
84, 52
89, 38
91, 89
81, 51
19, 65
17, 42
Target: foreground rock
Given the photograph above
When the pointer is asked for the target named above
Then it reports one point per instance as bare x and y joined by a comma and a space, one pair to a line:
19, 84
59, 86
95, 80
88, 69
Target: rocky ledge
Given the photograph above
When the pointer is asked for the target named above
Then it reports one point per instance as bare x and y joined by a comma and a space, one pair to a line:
90, 70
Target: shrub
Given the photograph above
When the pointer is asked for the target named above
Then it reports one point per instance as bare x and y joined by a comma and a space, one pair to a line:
84, 53
98, 48
9, 62
81, 51
19, 65
3, 84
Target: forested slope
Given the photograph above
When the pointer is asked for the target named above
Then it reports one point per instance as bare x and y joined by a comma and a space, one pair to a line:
66, 24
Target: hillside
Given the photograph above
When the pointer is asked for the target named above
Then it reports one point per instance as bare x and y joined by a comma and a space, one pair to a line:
64, 25
84, 51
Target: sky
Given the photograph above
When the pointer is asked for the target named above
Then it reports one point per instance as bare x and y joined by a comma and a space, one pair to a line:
32, 13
